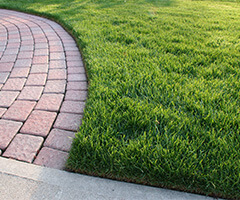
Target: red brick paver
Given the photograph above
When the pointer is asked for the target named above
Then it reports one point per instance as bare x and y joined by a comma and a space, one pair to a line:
24, 147
3, 77
39, 68
72, 107
51, 158
19, 73
8, 129
77, 86
68, 121
50, 102
15, 84
56, 64
19, 111
40, 59
31, 93
76, 95
36, 79
23, 62
77, 77
76, 70
7, 98
43, 88
59, 139
55, 86
6, 67
57, 74
39, 123
2, 111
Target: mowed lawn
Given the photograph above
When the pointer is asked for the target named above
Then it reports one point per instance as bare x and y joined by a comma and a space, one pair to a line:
164, 90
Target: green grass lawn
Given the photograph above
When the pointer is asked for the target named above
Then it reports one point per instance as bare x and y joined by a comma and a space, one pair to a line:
164, 90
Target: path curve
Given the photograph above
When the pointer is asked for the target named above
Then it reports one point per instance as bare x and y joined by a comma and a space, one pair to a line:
43, 88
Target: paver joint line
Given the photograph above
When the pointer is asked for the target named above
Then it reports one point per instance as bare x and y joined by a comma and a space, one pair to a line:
39, 64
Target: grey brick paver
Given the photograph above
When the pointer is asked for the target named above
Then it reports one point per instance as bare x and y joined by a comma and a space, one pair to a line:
43, 86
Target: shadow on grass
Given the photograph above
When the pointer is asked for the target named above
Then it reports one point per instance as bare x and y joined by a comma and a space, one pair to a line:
113, 3
160, 3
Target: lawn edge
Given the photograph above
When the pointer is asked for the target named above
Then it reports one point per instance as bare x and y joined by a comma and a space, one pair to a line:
75, 35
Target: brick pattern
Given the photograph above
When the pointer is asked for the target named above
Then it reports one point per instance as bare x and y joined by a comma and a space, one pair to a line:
43, 89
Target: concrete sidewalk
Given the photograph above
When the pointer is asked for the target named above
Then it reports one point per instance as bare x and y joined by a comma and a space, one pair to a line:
19, 180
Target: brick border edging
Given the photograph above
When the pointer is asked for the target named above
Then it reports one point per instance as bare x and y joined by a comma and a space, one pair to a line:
43, 89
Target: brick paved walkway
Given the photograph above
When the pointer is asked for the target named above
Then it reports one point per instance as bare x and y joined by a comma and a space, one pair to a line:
43, 87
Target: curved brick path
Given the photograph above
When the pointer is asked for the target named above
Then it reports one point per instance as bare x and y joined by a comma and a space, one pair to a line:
42, 89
